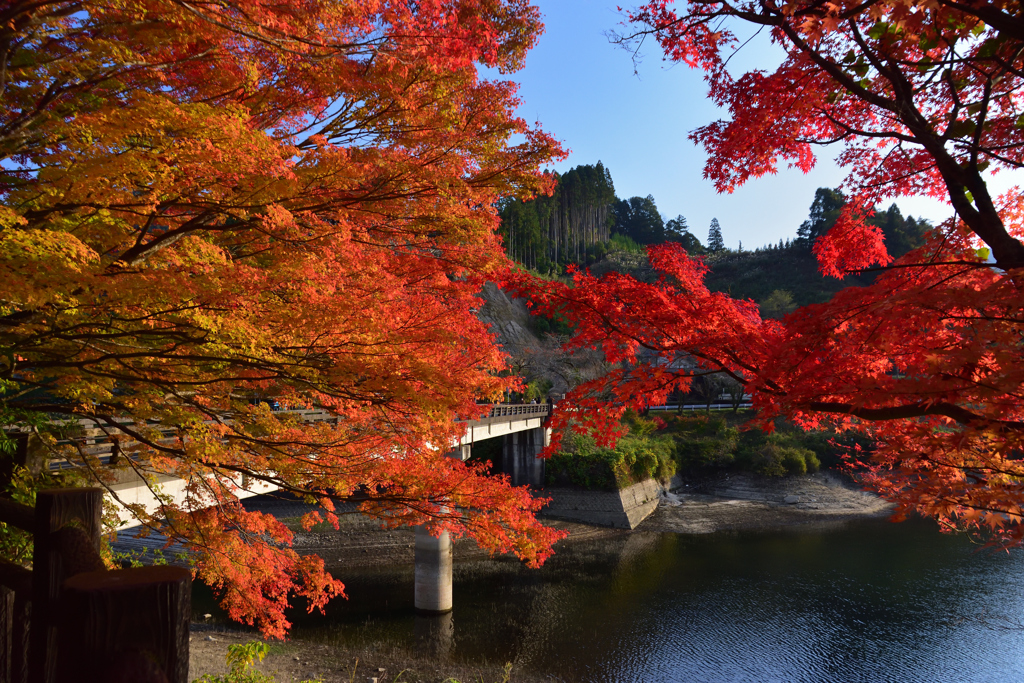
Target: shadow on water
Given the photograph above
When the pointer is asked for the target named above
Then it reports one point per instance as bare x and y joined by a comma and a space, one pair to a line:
870, 601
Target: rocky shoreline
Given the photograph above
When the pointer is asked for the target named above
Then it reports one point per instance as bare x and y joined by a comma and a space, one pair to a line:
721, 504
745, 502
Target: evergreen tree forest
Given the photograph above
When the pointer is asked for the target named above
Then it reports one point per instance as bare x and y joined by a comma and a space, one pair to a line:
582, 221
573, 225
783, 276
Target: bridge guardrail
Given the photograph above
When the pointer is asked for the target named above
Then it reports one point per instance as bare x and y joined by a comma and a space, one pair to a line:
513, 409
95, 442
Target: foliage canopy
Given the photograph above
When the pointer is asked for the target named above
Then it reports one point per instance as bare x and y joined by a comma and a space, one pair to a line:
207, 208
925, 97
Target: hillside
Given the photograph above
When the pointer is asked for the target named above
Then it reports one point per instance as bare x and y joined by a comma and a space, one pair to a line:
756, 275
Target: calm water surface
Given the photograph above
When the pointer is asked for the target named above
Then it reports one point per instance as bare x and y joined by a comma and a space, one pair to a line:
870, 601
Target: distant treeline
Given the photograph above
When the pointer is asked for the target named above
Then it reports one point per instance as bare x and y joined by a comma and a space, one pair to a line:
782, 277
901, 234
584, 220
565, 227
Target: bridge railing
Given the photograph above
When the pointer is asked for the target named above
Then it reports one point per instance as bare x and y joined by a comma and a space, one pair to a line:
100, 443
106, 445
513, 409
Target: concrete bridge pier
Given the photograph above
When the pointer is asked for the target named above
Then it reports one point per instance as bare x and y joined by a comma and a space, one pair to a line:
432, 591
519, 456
433, 588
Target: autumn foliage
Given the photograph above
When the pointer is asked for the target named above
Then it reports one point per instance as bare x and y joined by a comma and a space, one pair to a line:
925, 98
208, 207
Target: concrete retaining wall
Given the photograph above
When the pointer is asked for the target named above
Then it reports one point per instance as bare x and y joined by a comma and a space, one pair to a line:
624, 509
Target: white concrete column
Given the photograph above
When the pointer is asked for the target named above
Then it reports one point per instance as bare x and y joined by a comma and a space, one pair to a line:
512, 458
433, 587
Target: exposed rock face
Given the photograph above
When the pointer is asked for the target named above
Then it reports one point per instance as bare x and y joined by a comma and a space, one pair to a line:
509, 319
531, 356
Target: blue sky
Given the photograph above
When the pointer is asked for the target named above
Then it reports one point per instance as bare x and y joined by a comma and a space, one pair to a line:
583, 90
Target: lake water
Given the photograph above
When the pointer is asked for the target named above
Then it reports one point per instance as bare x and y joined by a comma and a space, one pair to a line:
869, 601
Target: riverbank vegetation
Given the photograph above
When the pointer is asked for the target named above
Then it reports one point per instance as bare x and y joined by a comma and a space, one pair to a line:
664, 445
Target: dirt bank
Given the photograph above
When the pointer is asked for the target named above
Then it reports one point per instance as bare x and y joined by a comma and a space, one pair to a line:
295, 661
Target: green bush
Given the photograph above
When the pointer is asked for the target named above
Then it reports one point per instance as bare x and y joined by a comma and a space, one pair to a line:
644, 457
813, 464
793, 460
708, 442
637, 456
703, 441
694, 443
242, 659
582, 463
775, 460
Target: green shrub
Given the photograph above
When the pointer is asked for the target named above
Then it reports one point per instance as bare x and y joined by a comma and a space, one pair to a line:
644, 457
636, 457
768, 461
793, 461
242, 658
703, 441
813, 464
776, 460
582, 463
695, 443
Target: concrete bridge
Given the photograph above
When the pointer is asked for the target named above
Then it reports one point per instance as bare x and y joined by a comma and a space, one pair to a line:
520, 426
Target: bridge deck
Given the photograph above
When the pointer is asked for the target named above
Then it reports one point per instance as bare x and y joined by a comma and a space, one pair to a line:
501, 420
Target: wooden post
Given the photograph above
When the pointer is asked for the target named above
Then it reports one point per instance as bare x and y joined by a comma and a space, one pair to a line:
6, 632
20, 632
15, 608
55, 508
125, 626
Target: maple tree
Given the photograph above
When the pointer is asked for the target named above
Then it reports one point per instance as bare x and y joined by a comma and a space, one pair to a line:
924, 98
207, 207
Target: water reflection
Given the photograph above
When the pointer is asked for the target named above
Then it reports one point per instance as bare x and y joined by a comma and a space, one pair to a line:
435, 635
872, 601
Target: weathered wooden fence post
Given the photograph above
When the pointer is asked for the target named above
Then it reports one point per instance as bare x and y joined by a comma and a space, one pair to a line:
15, 613
55, 509
125, 626
18, 608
